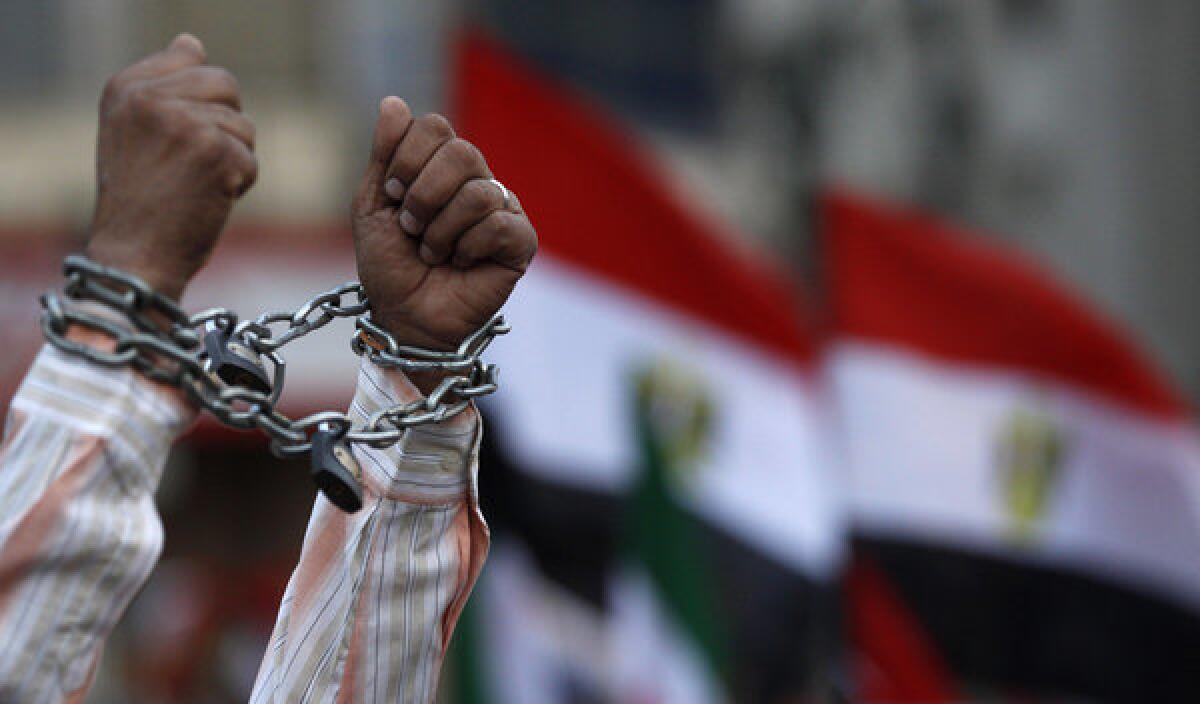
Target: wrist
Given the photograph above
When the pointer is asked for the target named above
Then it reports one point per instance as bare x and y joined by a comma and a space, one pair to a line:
157, 277
103, 342
426, 381
407, 336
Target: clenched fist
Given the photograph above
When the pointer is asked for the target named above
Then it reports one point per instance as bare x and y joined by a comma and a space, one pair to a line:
173, 153
440, 245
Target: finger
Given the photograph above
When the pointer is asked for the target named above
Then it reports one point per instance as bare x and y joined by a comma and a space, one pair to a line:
455, 162
232, 122
424, 137
242, 170
514, 203
183, 51
391, 126
474, 201
205, 84
503, 237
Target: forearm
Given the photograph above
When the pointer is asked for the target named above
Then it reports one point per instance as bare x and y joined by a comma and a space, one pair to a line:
84, 445
371, 606
83, 451
440, 245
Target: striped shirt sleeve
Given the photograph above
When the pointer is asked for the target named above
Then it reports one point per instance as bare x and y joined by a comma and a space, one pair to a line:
83, 450
368, 612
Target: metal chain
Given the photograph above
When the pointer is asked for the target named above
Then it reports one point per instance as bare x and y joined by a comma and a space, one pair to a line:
166, 345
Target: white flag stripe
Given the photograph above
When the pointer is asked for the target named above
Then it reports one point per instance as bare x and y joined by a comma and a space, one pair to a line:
924, 445
657, 662
567, 411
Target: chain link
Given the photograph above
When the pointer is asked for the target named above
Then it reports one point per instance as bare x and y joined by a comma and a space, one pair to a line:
166, 345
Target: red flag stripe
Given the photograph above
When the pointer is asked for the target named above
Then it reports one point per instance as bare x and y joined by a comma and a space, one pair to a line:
907, 279
898, 662
599, 206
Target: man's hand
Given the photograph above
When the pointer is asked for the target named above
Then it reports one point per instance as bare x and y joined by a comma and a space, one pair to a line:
439, 249
173, 153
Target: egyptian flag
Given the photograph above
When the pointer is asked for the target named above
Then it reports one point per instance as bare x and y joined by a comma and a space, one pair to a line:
666, 518
1025, 481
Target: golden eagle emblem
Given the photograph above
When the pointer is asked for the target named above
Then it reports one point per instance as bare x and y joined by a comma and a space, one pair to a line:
1030, 458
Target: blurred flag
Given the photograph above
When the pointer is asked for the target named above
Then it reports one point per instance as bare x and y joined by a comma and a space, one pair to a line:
1026, 482
667, 524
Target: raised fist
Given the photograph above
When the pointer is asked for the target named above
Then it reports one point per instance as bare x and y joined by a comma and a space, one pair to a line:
173, 153
440, 245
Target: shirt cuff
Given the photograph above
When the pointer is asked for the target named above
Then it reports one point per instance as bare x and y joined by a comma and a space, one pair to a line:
138, 418
430, 464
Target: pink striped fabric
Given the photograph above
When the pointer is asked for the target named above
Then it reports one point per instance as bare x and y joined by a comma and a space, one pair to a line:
367, 613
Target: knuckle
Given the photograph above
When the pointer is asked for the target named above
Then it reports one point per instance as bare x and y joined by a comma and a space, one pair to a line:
226, 82
210, 145
398, 168
226, 79
437, 125
402, 167
114, 87
504, 226
239, 125
139, 100
467, 248
462, 154
173, 120
248, 174
251, 131
419, 203
532, 241
477, 197
141, 107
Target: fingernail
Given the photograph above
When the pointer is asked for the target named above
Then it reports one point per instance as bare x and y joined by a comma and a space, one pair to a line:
426, 254
394, 189
189, 41
390, 100
410, 224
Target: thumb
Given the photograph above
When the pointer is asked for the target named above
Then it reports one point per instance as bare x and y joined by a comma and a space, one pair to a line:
189, 44
391, 126
184, 50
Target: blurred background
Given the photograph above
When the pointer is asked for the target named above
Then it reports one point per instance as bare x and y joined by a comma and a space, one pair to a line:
922, 273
